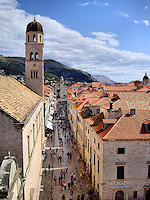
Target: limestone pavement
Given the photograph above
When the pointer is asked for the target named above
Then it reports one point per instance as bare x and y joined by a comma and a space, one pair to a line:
58, 145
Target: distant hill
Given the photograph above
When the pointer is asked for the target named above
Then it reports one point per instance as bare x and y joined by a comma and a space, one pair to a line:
16, 65
103, 79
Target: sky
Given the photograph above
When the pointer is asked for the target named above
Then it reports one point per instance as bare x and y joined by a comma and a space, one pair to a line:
101, 37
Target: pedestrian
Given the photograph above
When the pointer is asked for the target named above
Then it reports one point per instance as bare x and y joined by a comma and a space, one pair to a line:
78, 198
55, 179
64, 172
87, 197
45, 171
66, 168
82, 197
63, 197
71, 183
49, 167
70, 155
78, 158
81, 174
61, 185
59, 180
65, 185
68, 185
75, 183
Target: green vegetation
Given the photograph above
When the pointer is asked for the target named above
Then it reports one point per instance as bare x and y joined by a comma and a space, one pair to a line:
53, 69
51, 76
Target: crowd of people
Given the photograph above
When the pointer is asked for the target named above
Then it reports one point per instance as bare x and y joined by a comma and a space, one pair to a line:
67, 185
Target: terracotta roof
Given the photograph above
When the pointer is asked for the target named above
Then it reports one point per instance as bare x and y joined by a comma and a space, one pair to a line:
129, 127
16, 99
119, 88
99, 130
95, 119
137, 100
146, 122
109, 121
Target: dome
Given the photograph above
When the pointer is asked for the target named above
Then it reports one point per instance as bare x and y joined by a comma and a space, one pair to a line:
145, 77
34, 26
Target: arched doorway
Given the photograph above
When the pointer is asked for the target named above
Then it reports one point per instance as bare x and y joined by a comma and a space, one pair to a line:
119, 195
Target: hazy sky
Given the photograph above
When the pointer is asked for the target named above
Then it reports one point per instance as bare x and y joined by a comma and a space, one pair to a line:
109, 37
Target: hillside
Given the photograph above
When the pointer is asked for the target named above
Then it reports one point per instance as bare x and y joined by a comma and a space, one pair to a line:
16, 65
103, 79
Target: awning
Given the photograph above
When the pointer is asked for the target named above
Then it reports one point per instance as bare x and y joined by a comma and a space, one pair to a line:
50, 118
49, 125
51, 111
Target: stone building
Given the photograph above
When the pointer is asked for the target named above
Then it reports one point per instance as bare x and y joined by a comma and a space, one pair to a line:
22, 130
146, 80
11, 183
34, 61
61, 94
115, 144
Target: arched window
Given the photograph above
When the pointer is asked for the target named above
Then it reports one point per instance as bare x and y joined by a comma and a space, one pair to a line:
40, 38
34, 74
28, 38
36, 56
31, 56
119, 195
34, 38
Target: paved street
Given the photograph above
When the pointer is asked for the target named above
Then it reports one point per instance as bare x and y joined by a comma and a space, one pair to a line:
58, 146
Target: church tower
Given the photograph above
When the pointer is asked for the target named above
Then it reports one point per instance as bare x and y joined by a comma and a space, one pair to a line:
61, 87
34, 62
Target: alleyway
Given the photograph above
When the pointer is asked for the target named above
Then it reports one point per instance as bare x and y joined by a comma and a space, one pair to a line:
61, 153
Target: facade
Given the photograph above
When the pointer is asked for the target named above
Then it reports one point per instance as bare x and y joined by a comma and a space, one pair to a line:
34, 61
22, 131
11, 179
114, 143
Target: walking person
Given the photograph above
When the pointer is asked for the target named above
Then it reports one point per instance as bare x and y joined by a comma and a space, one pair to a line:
63, 197
78, 198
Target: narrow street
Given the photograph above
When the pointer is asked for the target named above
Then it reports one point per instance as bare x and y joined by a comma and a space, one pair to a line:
61, 153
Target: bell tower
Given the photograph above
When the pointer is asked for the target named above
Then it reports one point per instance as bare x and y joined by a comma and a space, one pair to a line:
61, 87
34, 62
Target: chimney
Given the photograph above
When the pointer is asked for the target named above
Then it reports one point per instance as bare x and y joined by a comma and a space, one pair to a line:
132, 111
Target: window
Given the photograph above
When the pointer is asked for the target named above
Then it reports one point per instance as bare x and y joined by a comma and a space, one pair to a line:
36, 56
98, 110
121, 150
88, 131
31, 56
98, 166
28, 138
34, 74
98, 145
28, 38
40, 38
120, 172
94, 158
148, 171
34, 38
94, 140
88, 146
33, 133
134, 194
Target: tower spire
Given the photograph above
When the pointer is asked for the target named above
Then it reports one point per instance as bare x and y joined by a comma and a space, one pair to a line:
34, 17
